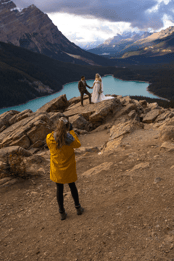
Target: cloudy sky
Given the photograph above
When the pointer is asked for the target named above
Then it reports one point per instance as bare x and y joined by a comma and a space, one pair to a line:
97, 20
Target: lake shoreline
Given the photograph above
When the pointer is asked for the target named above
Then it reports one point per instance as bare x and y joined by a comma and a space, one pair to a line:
165, 99
63, 86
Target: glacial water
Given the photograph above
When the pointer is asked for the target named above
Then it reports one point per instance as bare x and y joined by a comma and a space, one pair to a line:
111, 85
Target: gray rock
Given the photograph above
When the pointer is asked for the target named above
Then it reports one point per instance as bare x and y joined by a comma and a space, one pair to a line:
22, 115
27, 131
4, 152
6, 116
151, 116
4, 180
143, 103
104, 108
163, 116
23, 142
58, 104
3, 128
157, 180
79, 122
125, 110
167, 133
169, 146
93, 112
132, 114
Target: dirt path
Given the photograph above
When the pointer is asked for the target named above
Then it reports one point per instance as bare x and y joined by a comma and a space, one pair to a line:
128, 199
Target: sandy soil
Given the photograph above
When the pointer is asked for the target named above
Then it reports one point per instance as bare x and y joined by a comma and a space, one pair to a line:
128, 199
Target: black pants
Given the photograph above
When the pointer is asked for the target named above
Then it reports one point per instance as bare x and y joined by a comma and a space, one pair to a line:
74, 194
82, 93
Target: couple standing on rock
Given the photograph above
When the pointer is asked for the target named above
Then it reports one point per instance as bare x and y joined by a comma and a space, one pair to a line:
61, 144
97, 95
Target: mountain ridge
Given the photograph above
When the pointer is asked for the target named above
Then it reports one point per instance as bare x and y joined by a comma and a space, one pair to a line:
156, 44
32, 29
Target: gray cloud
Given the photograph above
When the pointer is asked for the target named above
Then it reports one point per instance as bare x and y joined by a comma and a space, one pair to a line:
133, 11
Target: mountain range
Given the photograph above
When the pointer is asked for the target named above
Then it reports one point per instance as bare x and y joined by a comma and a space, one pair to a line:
32, 29
141, 44
113, 46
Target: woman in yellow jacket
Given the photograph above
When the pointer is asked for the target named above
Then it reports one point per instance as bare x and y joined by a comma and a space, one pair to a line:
61, 144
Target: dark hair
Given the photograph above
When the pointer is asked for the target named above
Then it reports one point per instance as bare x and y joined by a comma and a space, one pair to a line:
61, 131
82, 77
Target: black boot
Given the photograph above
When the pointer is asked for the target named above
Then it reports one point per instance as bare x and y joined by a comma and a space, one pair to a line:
63, 215
80, 210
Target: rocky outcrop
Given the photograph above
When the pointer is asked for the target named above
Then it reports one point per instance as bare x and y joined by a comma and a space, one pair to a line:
79, 122
151, 116
121, 116
58, 104
20, 116
5, 119
27, 131
4, 152
94, 112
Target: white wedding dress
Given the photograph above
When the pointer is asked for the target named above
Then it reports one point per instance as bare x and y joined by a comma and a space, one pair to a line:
96, 97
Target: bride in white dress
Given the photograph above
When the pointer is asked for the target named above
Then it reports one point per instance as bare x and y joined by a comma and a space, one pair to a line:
97, 95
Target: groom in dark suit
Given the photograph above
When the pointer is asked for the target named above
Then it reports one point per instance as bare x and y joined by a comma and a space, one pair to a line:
82, 89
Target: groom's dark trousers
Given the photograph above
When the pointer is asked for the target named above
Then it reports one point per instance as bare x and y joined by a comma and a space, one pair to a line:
83, 90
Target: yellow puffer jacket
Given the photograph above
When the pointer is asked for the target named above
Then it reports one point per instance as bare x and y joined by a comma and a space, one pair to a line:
62, 161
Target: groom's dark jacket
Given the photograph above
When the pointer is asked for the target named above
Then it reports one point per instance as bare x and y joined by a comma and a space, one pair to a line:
82, 86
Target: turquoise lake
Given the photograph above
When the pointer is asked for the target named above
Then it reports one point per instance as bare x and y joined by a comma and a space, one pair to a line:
111, 85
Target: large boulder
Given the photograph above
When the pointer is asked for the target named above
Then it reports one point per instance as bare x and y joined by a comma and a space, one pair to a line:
126, 109
4, 152
102, 108
169, 146
151, 116
118, 132
20, 116
167, 133
58, 104
5, 118
27, 131
79, 122
164, 115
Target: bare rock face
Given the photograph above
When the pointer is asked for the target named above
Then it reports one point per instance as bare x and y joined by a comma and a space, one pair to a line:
30, 28
27, 131
94, 112
58, 104
5, 119
118, 132
20, 116
165, 115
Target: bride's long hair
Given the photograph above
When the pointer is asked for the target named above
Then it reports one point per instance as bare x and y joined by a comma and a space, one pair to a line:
98, 77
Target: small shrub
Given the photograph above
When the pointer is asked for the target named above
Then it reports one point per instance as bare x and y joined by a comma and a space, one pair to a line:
16, 165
